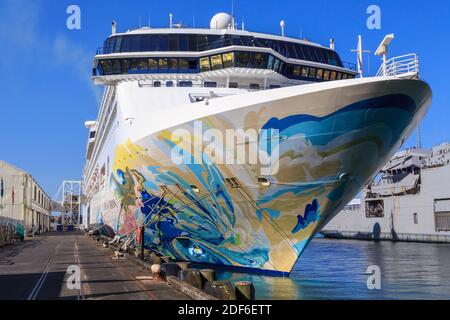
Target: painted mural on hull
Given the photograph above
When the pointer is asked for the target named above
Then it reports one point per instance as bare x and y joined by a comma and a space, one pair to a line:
220, 214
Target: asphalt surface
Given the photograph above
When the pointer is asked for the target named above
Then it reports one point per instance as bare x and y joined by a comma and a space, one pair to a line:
43, 268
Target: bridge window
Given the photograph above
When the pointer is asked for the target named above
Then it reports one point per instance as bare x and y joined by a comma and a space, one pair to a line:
173, 42
153, 64
142, 64
133, 65
296, 71
125, 65
305, 71
205, 64
319, 74
260, 60
106, 67
339, 76
333, 75
163, 64
326, 75
173, 64
216, 62
312, 72
243, 59
116, 66
228, 60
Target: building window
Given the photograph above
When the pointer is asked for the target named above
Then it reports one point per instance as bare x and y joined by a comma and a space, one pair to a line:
416, 218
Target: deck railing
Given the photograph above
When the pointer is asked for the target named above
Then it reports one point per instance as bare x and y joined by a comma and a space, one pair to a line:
400, 66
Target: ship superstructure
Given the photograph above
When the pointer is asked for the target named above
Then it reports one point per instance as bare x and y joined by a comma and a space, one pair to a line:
409, 201
157, 155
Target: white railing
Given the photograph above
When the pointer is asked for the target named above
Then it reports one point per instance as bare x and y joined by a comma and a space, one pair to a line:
400, 66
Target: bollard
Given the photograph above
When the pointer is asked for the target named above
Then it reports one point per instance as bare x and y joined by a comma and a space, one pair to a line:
208, 275
222, 290
244, 290
156, 273
170, 269
192, 277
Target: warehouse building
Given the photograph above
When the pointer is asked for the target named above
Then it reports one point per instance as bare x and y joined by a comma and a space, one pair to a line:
23, 203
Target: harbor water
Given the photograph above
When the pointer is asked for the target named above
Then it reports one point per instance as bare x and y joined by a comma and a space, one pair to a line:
336, 269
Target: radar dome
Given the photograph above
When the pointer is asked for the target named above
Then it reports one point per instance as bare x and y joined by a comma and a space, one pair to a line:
221, 21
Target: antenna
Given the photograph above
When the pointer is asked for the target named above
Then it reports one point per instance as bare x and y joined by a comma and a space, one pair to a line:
170, 20
360, 53
282, 25
243, 24
383, 49
232, 15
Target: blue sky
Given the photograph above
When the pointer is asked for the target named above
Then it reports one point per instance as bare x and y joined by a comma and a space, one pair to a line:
47, 95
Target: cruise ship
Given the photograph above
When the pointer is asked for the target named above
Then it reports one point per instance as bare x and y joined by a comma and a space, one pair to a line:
155, 154
408, 201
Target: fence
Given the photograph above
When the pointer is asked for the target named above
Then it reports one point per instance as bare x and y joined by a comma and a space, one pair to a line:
7, 233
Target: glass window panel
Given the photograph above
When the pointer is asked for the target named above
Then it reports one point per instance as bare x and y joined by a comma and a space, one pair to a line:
312, 72
276, 65
163, 42
305, 71
125, 65
243, 59
117, 44
116, 66
254, 86
135, 43
134, 64
126, 44
319, 74
216, 62
339, 76
205, 64
233, 85
173, 64
173, 42
154, 43
143, 64
193, 64
260, 60
297, 71
344, 76
163, 64
183, 42
106, 66
202, 43
270, 62
326, 75
228, 60
145, 43
333, 75
157, 84
183, 64
153, 64
192, 42
169, 83
289, 70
